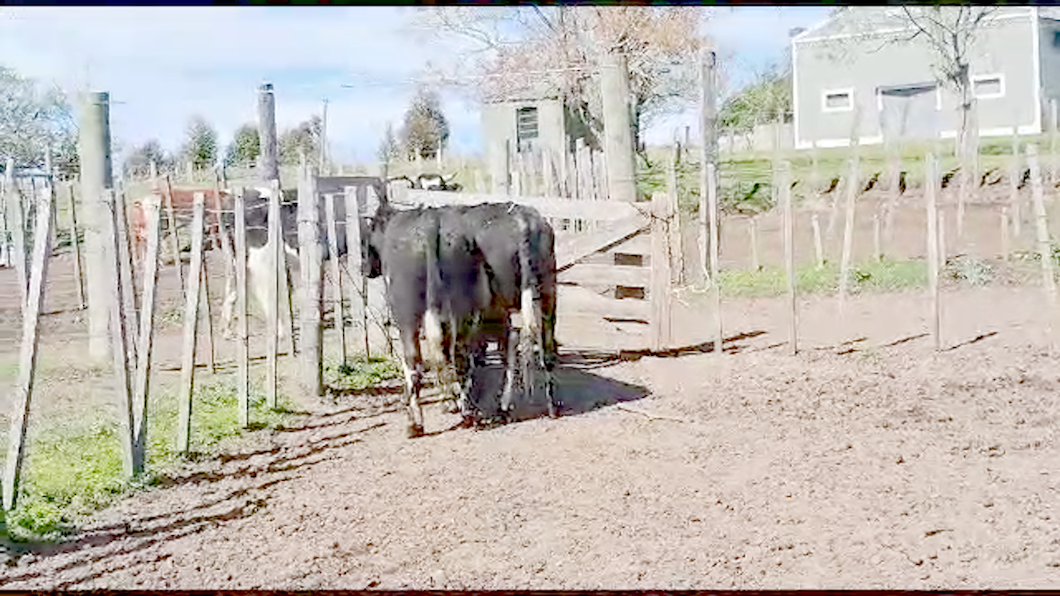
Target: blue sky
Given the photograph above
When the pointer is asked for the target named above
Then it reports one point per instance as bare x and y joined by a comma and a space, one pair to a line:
162, 65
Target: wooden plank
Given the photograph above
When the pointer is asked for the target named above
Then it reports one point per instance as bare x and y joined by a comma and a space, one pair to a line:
333, 247
674, 220
27, 362
607, 274
601, 339
141, 383
243, 338
191, 324
548, 206
571, 251
578, 300
660, 286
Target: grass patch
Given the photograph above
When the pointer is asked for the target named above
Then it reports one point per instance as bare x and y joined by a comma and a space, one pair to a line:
361, 373
74, 467
878, 276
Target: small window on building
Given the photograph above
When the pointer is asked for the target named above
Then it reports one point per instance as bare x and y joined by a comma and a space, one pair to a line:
1056, 39
988, 86
838, 101
526, 129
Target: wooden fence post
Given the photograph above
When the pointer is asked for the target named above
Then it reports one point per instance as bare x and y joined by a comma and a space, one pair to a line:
784, 187
146, 331
21, 254
191, 323
243, 338
96, 175
130, 316
174, 238
714, 240
27, 362
660, 272
77, 250
286, 284
5, 189
618, 129
333, 248
848, 231
674, 221
931, 181
1013, 185
1045, 250
353, 254
309, 252
120, 337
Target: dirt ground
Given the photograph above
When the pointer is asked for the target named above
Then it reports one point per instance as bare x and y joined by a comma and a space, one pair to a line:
866, 461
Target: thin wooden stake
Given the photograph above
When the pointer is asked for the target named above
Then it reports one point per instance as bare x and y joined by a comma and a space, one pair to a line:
78, 268
286, 284
243, 337
784, 179
931, 182
19, 233
333, 247
309, 252
191, 323
272, 280
674, 221
130, 315
141, 386
27, 363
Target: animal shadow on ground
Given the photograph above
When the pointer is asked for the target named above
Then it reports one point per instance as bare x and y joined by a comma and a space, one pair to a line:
576, 389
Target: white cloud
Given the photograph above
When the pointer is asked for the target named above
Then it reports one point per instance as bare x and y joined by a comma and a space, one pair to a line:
162, 65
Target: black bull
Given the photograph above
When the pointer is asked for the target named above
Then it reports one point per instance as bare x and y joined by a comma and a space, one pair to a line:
487, 260
456, 274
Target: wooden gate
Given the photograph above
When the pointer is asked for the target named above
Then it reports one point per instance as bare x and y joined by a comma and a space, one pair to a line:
613, 263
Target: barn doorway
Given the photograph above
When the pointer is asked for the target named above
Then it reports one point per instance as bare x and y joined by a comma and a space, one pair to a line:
909, 112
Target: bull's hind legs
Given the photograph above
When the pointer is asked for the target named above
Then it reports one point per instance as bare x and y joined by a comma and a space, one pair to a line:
511, 354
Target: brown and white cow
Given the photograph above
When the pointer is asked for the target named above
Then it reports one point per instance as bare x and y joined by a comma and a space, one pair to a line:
183, 200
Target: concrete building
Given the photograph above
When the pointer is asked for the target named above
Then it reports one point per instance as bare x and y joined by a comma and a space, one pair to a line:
867, 57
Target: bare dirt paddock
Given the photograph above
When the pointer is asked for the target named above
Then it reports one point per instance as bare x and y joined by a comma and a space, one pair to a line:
867, 461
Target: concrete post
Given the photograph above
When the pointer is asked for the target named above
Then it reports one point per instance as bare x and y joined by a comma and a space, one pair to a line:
96, 176
269, 158
618, 128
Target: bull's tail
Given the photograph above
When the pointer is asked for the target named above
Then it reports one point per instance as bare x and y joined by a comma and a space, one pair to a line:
530, 304
432, 317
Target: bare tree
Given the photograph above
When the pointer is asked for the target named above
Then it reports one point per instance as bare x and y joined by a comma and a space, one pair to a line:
951, 32
530, 50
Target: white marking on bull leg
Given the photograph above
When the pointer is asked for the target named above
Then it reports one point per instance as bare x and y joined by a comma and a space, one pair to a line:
432, 335
413, 408
510, 360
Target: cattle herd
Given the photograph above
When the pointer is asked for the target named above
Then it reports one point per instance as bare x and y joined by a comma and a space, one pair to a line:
454, 276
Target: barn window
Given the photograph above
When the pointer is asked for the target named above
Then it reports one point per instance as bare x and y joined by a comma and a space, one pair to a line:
1056, 39
988, 86
840, 100
526, 129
